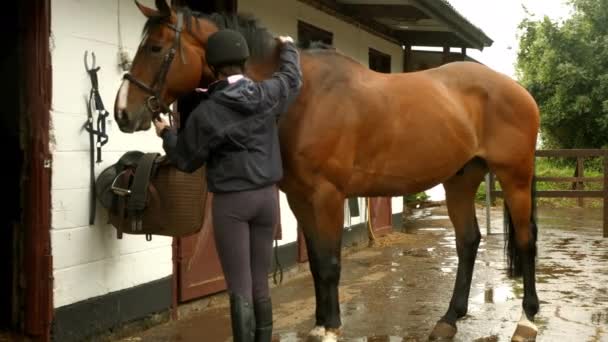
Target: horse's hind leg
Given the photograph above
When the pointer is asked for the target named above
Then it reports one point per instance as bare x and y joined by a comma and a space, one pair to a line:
460, 193
520, 239
321, 217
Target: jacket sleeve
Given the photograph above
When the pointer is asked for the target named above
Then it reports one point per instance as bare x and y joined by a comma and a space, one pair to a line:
275, 94
189, 149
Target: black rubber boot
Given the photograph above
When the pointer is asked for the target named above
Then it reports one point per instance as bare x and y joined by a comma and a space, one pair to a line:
263, 320
243, 320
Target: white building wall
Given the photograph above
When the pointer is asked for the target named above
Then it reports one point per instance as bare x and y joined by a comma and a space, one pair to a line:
89, 261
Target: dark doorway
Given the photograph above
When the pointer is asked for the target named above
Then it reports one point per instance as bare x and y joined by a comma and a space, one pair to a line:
12, 161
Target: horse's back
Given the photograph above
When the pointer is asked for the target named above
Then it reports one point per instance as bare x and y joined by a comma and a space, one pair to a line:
509, 115
361, 120
463, 76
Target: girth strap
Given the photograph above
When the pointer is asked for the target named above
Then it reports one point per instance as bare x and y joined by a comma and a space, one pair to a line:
141, 180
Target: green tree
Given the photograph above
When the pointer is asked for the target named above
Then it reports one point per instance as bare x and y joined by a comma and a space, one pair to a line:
565, 67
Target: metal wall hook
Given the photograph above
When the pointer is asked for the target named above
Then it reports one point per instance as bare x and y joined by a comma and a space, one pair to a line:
93, 65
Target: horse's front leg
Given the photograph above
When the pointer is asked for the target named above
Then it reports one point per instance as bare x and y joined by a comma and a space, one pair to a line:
321, 217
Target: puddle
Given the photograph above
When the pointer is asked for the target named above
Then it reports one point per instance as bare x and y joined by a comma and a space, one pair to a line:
378, 339
447, 269
417, 252
600, 318
492, 338
438, 217
498, 294
432, 229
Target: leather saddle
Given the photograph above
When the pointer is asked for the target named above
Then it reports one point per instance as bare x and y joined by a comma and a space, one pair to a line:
145, 194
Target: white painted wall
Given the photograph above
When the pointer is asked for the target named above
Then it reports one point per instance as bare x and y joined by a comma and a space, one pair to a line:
436, 194
89, 261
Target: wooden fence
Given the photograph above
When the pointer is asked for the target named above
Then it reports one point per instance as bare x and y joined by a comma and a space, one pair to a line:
578, 180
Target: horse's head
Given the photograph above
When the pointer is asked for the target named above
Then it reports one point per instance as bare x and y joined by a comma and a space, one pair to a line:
170, 61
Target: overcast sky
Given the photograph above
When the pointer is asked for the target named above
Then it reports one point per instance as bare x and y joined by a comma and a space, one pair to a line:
499, 20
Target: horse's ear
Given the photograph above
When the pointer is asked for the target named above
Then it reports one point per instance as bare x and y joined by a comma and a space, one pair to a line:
163, 7
147, 11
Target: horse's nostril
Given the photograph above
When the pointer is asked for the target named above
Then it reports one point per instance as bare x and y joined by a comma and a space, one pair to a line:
121, 115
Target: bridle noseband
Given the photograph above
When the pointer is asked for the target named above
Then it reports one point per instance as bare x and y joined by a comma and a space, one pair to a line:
154, 102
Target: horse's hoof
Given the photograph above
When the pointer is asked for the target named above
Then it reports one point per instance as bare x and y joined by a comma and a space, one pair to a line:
443, 331
317, 331
331, 336
524, 333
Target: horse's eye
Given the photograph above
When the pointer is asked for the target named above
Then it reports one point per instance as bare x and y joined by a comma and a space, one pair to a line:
156, 49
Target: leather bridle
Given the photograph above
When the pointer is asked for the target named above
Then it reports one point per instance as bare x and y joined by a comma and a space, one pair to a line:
154, 102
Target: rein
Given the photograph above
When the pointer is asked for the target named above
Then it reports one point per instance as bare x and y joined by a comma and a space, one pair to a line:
154, 102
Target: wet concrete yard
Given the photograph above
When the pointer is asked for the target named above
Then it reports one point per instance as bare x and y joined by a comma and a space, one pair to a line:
396, 290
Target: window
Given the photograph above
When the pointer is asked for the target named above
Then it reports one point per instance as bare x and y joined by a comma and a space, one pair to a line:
208, 6
308, 33
379, 61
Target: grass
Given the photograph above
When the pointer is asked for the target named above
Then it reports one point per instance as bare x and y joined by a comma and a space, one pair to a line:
559, 167
419, 197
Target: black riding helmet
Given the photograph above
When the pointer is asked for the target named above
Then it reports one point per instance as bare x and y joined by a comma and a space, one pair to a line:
226, 47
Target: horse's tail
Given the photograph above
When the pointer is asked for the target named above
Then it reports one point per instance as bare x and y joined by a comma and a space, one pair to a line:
514, 261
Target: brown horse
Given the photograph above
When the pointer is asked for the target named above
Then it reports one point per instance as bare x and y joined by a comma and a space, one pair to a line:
355, 132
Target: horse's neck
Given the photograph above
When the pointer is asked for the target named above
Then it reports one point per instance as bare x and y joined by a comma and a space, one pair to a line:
262, 68
258, 67
200, 28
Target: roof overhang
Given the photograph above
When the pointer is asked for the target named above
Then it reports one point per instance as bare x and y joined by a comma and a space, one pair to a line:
410, 22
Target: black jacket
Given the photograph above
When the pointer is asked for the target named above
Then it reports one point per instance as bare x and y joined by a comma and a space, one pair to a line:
235, 131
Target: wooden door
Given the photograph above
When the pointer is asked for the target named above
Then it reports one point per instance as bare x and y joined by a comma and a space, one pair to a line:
37, 87
198, 268
380, 207
200, 271
381, 215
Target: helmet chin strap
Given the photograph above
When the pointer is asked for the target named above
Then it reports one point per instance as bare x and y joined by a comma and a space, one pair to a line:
218, 77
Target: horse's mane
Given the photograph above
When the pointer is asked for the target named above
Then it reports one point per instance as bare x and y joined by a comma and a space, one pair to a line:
316, 46
261, 42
